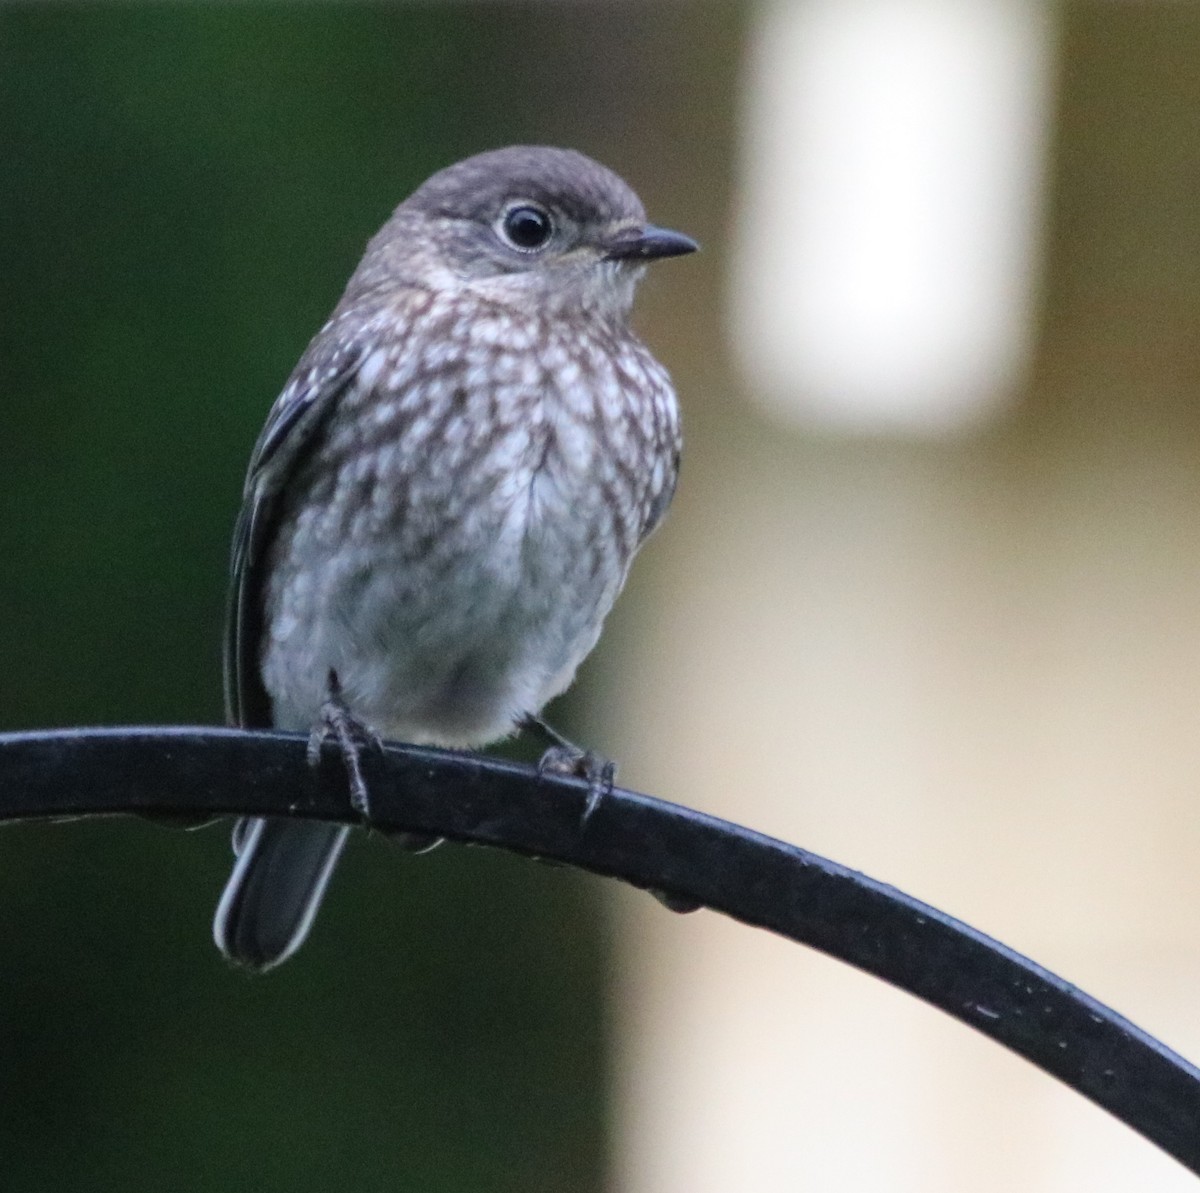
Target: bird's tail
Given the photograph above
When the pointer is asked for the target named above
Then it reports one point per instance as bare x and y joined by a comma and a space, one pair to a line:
278, 881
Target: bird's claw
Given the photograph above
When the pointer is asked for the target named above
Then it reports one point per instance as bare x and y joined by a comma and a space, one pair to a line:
566, 759
414, 843
337, 722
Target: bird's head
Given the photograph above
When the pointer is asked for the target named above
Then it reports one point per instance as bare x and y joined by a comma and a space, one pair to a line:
527, 226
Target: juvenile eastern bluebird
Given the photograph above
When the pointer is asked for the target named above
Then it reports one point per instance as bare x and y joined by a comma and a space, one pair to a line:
448, 493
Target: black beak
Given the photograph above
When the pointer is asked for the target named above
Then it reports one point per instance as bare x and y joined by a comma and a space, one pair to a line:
647, 244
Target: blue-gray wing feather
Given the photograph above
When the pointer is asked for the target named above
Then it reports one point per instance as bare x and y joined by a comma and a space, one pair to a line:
292, 427
283, 866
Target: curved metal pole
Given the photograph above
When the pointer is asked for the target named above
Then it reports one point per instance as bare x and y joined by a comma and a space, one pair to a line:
646, 842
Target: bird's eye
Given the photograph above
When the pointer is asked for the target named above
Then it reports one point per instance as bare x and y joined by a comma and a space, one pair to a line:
527, 226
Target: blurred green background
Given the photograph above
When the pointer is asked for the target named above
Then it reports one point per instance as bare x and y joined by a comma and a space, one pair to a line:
183, 192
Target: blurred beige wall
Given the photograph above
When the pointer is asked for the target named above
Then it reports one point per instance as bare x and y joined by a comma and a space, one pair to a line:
968, 666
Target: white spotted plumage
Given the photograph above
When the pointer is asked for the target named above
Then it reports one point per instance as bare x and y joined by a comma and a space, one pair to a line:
530, 545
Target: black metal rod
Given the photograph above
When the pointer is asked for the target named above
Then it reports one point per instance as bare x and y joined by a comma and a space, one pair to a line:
646, 842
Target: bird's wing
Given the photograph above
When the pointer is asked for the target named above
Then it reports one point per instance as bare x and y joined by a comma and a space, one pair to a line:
292, 428
666, 445
662, 499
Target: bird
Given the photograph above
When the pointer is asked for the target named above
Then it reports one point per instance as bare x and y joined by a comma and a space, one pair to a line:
446, 497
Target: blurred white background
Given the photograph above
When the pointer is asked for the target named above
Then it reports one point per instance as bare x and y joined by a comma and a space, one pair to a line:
929, 602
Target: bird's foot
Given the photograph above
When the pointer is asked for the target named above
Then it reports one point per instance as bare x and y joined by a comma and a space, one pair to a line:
352, 735
565, 758
582, 764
